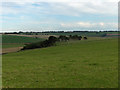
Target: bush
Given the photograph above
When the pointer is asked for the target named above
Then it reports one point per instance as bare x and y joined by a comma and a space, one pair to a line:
50, 42
75, 37
53, 39
85, 38
63, 38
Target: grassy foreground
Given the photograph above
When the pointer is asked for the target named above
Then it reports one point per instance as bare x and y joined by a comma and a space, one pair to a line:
80, 64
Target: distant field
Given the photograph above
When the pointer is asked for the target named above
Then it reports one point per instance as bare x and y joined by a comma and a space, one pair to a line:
89, 34
33, 36
19, 39
76, 64
12, 45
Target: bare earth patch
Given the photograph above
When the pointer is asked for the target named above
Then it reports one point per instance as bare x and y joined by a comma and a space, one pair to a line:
8, 50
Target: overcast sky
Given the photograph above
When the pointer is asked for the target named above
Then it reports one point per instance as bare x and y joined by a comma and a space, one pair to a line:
29, 15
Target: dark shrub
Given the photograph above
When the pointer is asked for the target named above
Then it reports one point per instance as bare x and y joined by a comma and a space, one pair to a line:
85, 38
75, 37
63, 38
70, 36
50, 42
80, 37
52, 39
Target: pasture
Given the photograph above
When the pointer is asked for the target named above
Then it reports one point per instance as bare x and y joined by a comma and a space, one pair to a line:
19, 39
76, 64
13, 43
33, 36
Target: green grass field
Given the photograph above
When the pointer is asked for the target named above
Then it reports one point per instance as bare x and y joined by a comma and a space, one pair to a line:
12, 45
80, 64
19, 39
10, 41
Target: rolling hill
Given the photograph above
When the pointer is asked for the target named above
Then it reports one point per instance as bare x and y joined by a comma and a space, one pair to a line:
76, 64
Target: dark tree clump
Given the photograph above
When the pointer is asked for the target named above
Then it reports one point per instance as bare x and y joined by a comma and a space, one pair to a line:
75, 37
63, 38
85, 38
51, 41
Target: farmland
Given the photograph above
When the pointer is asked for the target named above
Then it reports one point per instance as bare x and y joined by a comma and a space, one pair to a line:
91, 63
18, 39
12, 43
82, 33
59, 44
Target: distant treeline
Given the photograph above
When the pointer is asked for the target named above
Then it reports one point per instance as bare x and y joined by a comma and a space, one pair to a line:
21, 32
51, 41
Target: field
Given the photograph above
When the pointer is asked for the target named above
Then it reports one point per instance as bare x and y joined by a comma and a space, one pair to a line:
12, 43
33, 36
77, 64
19, 39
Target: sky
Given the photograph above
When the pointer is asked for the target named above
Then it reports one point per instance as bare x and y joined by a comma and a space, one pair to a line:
58, 15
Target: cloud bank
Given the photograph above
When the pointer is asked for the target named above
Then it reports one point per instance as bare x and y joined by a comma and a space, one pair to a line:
59, 15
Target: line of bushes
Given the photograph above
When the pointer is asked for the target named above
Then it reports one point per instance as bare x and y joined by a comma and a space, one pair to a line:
51, 41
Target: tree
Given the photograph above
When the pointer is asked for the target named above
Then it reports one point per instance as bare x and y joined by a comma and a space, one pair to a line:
20, 32
36, 33
63, 38
85, 38
50, 42
52, 39
80, 37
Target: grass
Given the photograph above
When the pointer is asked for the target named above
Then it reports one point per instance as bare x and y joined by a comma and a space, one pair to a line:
10, 41
80, 64
19, 39
11, 45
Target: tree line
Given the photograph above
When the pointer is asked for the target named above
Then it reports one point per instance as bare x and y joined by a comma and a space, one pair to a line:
32, 32
51, 41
